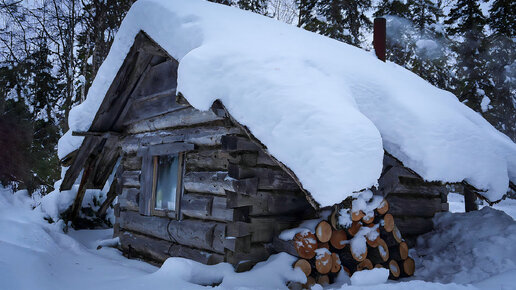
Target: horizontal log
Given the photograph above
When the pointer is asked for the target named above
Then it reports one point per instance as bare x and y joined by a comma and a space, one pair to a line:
129, 199
152, 107
268, 178
413, 225
193, 233
196, 206
270, 203
132, 162
238, 143
409, 206
188, 116
131, 178
160, 250
264, 229
243, 261
217, 183
418, 190
207, 160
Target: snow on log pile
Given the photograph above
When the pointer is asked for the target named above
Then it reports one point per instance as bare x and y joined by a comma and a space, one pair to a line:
359, 234
262, 67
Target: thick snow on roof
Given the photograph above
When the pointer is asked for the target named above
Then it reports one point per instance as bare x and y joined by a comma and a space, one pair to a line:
323, 108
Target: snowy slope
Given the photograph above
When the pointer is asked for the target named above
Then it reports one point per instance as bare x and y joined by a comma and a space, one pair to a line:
323, 108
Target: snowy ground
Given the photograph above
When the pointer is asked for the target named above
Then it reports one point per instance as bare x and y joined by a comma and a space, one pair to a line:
468, 251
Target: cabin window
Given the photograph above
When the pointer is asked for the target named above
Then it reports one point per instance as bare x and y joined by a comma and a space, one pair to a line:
167, 176
161, 179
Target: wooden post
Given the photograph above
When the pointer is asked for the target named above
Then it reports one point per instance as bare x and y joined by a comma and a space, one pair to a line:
82, 189
470, 199
379, 38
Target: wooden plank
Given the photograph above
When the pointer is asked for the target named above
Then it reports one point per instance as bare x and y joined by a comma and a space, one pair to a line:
152, 107
146, 182
160, 77
105, 163
413, 225
263, 229
199, 136
188, 232
169, 148
88, 146
244, 261
187, 116
131, 178
407, 206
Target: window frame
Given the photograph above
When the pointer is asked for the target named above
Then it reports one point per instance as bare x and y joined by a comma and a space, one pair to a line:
149, 175
179, 186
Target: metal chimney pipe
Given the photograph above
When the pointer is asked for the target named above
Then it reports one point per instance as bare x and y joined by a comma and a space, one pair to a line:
379, 37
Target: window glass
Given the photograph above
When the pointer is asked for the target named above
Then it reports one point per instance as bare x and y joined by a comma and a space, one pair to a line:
166, 183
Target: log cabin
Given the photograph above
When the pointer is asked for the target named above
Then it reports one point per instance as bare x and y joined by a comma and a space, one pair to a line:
200, 184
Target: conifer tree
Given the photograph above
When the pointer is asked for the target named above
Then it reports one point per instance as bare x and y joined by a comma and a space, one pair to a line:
467, 22
256, 6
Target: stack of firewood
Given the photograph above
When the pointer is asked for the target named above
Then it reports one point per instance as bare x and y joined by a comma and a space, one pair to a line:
356, 236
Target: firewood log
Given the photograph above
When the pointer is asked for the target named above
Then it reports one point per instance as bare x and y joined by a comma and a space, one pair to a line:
388, 222
347, 260
338, 239
304, 265
357, 215
323, 261
394, 269
310, 281
408, 267
323, 245
365, 264
359, 254
379, 254
399, 252
323, 231
335, 263
391, 238
383, 208
367, 219
305, 244
354, 228
323, 280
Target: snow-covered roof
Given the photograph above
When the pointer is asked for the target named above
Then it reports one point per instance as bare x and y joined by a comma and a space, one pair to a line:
323, 108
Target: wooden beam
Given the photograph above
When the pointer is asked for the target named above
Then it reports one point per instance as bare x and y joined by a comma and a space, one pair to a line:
76, 207
108, 134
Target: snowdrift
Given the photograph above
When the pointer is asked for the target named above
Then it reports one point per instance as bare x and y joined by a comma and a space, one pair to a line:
325, 109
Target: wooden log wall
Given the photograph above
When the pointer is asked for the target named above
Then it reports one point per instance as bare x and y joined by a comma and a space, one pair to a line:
235, 200
413, 202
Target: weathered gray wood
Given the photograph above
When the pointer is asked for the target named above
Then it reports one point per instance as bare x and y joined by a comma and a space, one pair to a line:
131, 178
244, 261
217, 183
169, 148
413, 225
76, 206
200, 136
110, 197
263, 229
160, 77
240, 244
238, 143
152, 107
279, 245
419, 190
105, 163
196, 206
270, 203
135, 245
146, 179
88, 146
129, 199
188, 232
160, 250
132, 162
407, 206
207, 160
180, 118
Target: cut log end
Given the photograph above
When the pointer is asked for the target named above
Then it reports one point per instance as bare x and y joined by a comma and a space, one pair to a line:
388, 222
323, 280
323, 231
409, 266
397, 234
394, 269
368, 219
357, 215
305, 244
323, 263
355, 227
336, 265
338, 239
403, 250
365, 264
304, 265
359, 256
383, 250
383, 208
